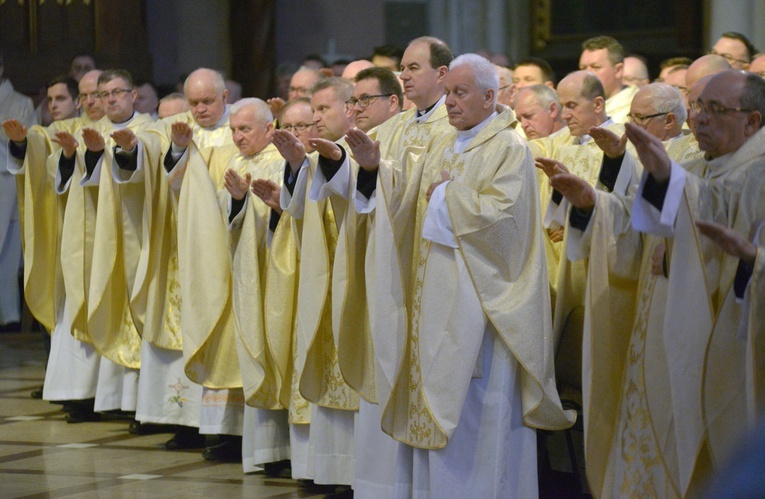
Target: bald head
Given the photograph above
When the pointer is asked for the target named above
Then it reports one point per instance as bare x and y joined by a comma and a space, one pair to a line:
206, 93
353, 68
705, 65
582, 98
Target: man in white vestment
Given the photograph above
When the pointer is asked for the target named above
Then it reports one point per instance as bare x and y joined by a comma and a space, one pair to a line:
604, 56
539, 112
711, 365
13, 105
461, 383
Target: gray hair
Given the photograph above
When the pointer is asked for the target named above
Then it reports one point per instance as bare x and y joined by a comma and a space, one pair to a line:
753, 96
484, 72
262, 111
544, 94
667, 99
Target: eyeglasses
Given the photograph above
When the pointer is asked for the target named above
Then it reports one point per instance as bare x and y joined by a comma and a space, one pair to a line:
297, 127
116, 93
641, 120
506, 86
713, 108
728, 57
365, 101
91, 95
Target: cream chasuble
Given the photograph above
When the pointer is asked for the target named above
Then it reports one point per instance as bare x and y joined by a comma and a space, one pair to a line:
707, 363
753, 329
622, 293
264, 360
618, 106
207, 321
495, 219
110, 322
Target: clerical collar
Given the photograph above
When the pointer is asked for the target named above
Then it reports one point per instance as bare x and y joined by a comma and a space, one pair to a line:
224, 119
586, 137
465, 136
124, 124
423, 116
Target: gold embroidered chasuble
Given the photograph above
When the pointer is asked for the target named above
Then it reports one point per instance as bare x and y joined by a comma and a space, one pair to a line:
494, 210
354, 280
150, 212
622, 293
321, 381
263, 360
41, 221
204, 264
109, 320
707, 362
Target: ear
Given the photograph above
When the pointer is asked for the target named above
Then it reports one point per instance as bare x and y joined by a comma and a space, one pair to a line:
550, 84
269, 130
394, 103
225, 95
619, 69
753, 123
442, 70
489, 98
77, 104
554, 111
133, 95
670, 120
600, 104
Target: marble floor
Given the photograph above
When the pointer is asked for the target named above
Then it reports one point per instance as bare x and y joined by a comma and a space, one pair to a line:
42, 456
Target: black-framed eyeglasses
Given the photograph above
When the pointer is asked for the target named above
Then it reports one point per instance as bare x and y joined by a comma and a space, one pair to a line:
715, 108
297, 127
728, 57
642, 119
116, 93
364, 101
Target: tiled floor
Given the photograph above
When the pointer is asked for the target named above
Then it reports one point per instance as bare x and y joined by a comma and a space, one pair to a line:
42, 456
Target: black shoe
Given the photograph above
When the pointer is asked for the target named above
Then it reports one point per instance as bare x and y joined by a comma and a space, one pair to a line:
342, 492
82, 417
279, 469
185, 438
228, 451
138, 428
37, 394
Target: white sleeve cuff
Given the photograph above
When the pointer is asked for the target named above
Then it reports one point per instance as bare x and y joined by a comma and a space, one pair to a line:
645, 216
438, 226
339, 185
294, 203
126, 176
93, 179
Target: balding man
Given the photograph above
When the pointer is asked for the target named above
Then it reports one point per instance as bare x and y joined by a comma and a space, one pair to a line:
708, 362
90, 101
604, 56
172, 104
539, 111
703, 66
458, 448
622, 281
353, 68
735, 48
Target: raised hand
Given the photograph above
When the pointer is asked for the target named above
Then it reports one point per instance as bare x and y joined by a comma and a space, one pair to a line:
289, 147
578, 192
268, 191
365, 151
326, 148
94, 141
276, 104
550, 166
15, 130
125, 139
611, 144
67, 142
651, 152
729, 240
237, 185
445, 177
181, 134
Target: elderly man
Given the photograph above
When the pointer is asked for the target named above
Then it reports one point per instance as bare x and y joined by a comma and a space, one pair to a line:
479, 165
635, 71
539, 111
735, 48
168, 391
708, 364
90, 100
507, 89
758, 66
353, 68
533, 71
621, 389
667, 65
604, 56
